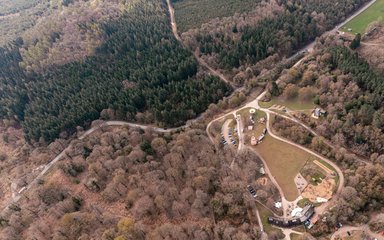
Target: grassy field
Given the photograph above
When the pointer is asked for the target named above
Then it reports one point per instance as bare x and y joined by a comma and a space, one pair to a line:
192, 13
361, 22
264, 214
295, 104
285, 162
258, 127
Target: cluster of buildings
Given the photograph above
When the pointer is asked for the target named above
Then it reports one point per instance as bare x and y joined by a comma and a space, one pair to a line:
303, 217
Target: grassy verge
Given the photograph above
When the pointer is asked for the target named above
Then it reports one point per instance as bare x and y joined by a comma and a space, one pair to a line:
332, 168
264, 214
361, 22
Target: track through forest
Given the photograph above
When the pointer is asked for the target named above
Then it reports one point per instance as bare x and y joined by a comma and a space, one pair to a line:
48, 166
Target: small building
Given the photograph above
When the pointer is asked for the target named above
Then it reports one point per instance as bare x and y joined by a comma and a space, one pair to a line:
250, 128
261, 137
265, 131
262, 120
253, 141
318, 112
262, 171
313, 222
321, 200
278, 205
304, 218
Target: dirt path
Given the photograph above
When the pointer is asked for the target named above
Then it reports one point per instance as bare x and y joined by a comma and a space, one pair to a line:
200, 60
284, 202
372, 44
255, 104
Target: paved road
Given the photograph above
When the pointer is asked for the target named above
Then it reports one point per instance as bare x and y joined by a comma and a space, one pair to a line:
225, 131
89, 132
322, 208
264, 236
273, 180
202, 62
360, 10
255, 104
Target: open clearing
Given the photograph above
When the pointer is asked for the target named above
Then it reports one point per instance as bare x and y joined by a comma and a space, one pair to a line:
285, 162
193, 13
361, 22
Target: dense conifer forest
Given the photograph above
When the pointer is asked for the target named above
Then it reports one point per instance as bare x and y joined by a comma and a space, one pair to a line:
297, 23
140, 67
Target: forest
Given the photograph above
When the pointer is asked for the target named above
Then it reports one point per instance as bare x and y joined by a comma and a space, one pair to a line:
351, 92
192, 13
14, 6
140, 67
129, 184
18, 16
245, 44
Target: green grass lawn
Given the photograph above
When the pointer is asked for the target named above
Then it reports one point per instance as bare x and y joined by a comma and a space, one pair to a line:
245, 113
332, 168
258, 127
193, 13
361, 22
285, 162
294, 104
303, 202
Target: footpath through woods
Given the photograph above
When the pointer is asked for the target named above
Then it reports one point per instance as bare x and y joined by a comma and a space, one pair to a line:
199, 59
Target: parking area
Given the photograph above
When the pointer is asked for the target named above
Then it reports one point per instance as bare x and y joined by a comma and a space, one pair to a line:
229, 133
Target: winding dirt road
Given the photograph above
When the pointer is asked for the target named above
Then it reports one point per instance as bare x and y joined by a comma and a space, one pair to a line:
214, 72
200, 60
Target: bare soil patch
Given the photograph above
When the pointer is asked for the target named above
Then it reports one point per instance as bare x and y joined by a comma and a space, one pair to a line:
323, 190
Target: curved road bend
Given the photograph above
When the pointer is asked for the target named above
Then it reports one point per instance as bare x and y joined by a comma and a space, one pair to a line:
119, 123
340, 187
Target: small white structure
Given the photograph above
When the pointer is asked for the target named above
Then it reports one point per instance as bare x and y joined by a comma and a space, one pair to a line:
278, 204
262, 170
297, 212
253, 141
321, 200
261, 137
250, 127
252, 111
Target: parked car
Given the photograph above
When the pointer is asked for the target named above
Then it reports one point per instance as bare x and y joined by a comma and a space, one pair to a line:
252, 191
